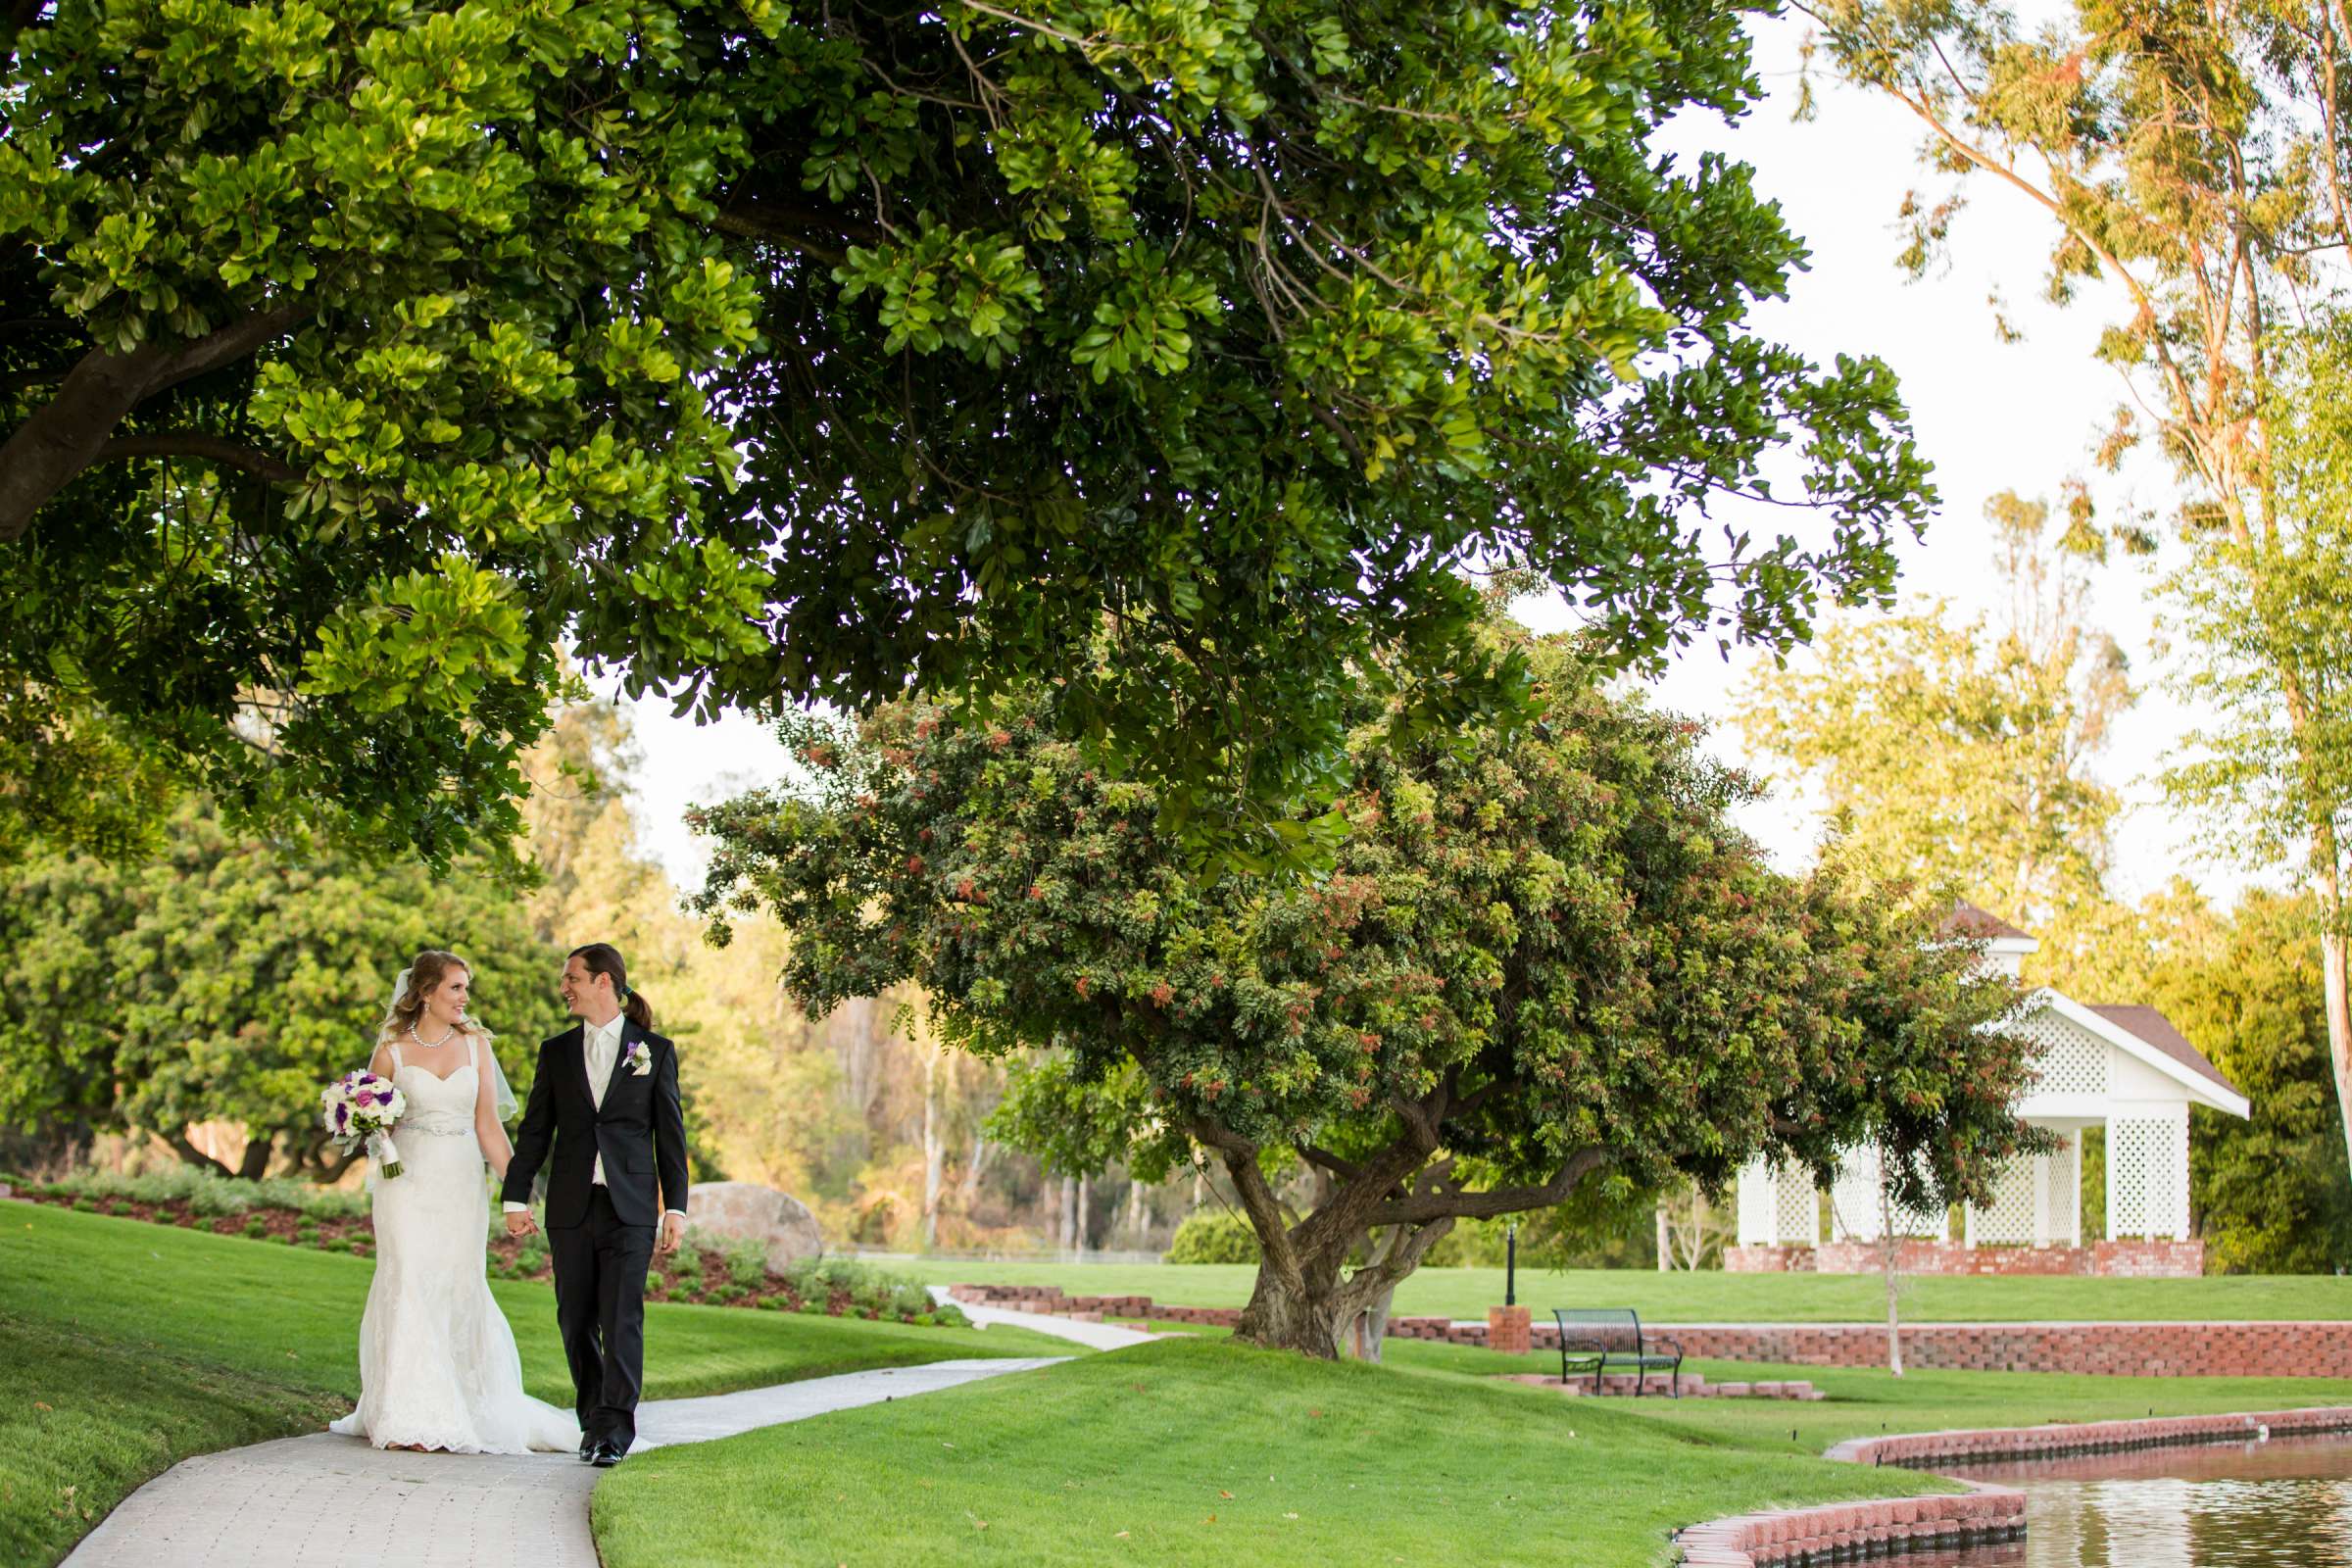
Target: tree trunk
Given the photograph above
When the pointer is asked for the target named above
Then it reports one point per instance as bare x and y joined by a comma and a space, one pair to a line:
256, 1164
1136, 1222
2332, 964
1890, 1250
187, 1150
1665, 1239
973, 1170
1070, 1213
1370, 1327
1286, 1314
934, 1150
1079, 1235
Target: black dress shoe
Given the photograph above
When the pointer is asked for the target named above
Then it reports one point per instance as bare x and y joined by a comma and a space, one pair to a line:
587, 1448
605, 1456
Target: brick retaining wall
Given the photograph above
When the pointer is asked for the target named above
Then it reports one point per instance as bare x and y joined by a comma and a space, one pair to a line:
2126, 1260
1843, 1530
2317, 1350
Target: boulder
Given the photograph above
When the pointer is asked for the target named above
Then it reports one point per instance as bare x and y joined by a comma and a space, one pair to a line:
738, 1211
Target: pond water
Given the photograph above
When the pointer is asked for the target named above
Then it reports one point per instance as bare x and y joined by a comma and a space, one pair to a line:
2280, 1504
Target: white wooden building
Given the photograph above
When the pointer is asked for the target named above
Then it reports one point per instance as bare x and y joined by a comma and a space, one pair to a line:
2119, 1067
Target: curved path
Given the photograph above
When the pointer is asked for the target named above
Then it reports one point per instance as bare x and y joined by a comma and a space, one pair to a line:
325, 1498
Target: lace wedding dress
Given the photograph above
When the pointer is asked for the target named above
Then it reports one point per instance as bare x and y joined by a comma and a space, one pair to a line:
438, 1366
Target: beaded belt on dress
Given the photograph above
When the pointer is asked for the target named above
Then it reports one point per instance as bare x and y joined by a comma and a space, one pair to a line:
439, 1123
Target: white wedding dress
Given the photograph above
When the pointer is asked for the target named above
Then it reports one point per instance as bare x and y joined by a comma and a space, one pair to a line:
438, 1366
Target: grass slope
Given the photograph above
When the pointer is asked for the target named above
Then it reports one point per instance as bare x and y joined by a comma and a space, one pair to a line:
1198, 1454
1719, 1298
125, 1347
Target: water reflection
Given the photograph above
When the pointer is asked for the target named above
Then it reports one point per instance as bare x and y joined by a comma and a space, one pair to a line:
2282, 1504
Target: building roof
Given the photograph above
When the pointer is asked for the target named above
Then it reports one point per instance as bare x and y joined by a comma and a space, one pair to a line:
2157, 1030
1966, 920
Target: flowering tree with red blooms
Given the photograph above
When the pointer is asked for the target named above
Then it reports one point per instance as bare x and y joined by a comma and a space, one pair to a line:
1544, 956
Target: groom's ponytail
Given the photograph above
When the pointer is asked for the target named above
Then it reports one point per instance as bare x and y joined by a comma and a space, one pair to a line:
603, 957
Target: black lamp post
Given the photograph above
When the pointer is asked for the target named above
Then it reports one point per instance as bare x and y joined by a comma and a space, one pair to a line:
1510, 1264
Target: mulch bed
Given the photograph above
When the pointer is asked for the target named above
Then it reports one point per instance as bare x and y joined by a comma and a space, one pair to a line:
511, 1257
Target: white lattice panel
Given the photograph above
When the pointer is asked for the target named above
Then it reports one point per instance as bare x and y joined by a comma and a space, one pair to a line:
1755, 1204
2061, 1176
1798, 1213
2069, 1058
1854, 1195
2147, 1176
2009, 1217
1854, 1203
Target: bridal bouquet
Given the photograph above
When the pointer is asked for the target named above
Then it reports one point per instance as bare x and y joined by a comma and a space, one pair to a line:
362, 1107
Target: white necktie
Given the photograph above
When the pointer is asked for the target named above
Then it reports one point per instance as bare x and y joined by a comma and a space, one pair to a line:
600, 1067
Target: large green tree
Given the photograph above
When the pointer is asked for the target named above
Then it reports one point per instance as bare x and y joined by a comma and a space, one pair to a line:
229, 981
2193, 164
1544, 958
358, 348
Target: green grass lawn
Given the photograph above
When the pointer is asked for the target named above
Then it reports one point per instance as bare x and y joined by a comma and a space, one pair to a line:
1195, 1452
126, 1346
1718, 1298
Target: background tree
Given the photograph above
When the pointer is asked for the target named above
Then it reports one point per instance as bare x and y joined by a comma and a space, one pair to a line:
1238, 329
1955, 756
229, 981
2196, 165
1544, 956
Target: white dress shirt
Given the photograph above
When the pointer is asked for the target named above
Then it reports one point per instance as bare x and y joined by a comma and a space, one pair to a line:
600, 1044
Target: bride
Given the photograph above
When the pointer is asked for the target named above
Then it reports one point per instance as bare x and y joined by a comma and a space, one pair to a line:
438, 1367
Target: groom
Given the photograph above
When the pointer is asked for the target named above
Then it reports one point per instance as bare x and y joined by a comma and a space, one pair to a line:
607, 1099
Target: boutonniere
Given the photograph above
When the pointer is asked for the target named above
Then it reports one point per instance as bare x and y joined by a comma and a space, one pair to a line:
638, 1058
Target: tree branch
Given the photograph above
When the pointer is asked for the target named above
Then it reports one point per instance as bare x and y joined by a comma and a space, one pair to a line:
1423, 1207
71, 431
197, 444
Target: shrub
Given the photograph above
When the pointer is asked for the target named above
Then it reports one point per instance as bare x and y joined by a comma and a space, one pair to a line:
83, 1205
120, 1210
772, 1304
531, 1259
688, 1263
218, 1198
257, 1227
1213, 1236
720, 1294
747, 1263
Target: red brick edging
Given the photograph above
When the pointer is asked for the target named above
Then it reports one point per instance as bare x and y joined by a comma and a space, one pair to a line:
1849, 1528
1984, 1512
2308, 1347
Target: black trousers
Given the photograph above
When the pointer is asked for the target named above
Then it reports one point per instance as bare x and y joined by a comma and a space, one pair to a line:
599, 1310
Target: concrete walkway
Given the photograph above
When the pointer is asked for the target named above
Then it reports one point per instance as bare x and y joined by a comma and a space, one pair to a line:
1094, 1335
300, 1501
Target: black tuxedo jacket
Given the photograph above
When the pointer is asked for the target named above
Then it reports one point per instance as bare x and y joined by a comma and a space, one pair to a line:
641, 1131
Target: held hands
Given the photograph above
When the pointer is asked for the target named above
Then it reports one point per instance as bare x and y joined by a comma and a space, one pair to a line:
520, 1223
674, 1231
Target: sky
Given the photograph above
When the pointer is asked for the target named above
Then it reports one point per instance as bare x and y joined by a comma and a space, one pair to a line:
1989, 416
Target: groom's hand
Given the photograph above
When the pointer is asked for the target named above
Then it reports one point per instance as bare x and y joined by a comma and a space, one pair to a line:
674, 1231
520, 1224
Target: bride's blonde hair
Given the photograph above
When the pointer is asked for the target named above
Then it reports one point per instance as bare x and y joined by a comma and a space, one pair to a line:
422, 978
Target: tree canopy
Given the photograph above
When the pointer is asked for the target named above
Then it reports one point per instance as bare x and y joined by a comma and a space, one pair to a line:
1545, 955
798, 352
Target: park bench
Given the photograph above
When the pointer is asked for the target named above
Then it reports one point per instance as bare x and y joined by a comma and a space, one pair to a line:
1597, 1339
